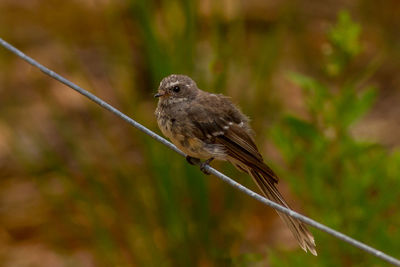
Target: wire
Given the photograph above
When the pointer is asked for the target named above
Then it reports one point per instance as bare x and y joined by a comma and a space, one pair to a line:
311, 222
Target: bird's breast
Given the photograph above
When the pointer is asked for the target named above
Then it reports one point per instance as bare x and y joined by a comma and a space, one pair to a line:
175, 125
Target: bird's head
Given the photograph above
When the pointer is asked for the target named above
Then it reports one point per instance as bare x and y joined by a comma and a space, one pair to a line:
177, 87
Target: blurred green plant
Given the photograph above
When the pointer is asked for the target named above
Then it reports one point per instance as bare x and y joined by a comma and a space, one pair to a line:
343, 44
345, 183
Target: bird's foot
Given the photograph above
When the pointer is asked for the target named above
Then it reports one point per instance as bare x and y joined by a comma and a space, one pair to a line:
204, 164
193, 161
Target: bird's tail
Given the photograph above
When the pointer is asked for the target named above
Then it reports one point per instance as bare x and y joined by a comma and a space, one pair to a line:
299, 230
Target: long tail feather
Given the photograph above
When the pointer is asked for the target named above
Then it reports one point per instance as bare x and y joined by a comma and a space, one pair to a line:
299, 230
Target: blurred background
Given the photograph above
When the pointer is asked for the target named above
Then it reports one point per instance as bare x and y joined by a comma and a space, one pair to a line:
80, 187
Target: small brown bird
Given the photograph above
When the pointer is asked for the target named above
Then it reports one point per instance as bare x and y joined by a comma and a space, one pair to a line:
209, 126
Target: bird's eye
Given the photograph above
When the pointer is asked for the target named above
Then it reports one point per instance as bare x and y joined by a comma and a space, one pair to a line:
176, 88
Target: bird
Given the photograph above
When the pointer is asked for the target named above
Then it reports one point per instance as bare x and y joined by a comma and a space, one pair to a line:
209, 126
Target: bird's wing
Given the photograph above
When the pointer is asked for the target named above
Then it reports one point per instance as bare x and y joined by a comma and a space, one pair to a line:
217, 121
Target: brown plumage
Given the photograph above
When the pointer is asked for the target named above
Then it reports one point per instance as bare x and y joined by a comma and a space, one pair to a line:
209, 126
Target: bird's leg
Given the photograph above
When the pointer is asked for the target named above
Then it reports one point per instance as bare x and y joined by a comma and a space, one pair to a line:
193, 161
196, 161
204, 164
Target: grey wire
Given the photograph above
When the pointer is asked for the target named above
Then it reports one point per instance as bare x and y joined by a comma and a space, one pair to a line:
311, 222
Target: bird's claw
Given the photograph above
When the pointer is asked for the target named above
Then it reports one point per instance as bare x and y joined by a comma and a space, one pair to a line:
203, 168
203, 165
192, 161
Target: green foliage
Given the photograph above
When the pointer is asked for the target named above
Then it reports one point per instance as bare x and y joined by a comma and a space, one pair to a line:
345, 183
344, 43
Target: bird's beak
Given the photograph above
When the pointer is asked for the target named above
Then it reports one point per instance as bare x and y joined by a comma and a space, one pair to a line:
159, 94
